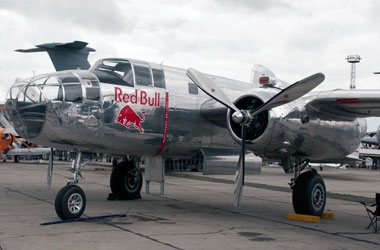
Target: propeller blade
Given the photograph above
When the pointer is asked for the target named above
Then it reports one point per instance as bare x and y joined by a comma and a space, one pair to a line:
210, 88
50, 169
240, 170
291, 93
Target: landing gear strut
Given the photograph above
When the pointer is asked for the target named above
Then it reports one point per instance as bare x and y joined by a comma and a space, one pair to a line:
70, 201
309, 191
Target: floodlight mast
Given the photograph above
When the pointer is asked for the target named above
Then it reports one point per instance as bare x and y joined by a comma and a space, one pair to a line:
353, 59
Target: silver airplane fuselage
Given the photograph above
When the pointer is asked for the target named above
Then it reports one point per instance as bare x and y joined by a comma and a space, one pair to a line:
130, 107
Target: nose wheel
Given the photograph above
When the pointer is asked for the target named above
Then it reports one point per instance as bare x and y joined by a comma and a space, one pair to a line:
70, 202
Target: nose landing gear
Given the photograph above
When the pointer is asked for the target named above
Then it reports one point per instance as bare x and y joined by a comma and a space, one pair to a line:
126, 182
70, 201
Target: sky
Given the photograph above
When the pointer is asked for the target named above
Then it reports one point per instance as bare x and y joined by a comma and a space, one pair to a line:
293, 38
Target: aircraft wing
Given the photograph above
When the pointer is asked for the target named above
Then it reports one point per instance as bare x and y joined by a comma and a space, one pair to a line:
347, 104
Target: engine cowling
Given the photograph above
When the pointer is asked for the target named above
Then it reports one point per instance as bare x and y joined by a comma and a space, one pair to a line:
260, 122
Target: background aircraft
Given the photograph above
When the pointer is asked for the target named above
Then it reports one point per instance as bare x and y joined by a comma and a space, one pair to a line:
6, 140
137, 109
372, 138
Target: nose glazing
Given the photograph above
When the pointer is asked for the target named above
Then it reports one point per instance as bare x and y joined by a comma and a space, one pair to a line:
26, 108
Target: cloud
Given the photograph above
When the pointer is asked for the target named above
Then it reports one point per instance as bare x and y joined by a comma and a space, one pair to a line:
293, 38
102, 16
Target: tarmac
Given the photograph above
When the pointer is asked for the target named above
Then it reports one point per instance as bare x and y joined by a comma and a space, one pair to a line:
196, 212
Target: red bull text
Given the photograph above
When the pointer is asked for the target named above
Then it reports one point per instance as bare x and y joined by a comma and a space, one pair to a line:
139, 97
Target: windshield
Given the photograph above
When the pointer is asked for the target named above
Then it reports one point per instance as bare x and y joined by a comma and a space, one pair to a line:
114, 71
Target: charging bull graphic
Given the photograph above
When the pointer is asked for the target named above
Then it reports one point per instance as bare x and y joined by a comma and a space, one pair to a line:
128, 117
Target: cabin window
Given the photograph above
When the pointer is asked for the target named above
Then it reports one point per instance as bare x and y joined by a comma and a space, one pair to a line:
91, 84
67, 78
73, 92
142, 75
32, 94
53, 93
193, 88
158, 78
52, 89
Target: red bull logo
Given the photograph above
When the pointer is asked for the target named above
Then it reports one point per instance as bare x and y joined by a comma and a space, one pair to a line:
128, 117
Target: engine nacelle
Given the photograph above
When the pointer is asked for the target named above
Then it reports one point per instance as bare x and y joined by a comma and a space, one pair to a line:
258, 127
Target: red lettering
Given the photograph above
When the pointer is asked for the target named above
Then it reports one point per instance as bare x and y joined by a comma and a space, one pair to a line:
141, 98
157, 95
151, 101
117, 94
134, 97
126, 98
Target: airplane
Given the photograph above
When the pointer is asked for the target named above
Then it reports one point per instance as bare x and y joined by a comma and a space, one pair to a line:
6, 140
137, 109
372, 138
7, 147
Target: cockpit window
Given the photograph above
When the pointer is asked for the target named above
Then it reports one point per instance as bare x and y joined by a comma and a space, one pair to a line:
114, 72
128, 73
143, 75
159, 78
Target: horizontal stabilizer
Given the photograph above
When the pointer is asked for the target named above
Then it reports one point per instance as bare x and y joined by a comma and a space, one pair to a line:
65, 56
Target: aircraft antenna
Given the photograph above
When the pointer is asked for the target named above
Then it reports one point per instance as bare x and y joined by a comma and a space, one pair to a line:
353, 59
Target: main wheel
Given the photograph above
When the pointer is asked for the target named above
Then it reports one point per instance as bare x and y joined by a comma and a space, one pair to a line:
70, 202
309, 194
126, 181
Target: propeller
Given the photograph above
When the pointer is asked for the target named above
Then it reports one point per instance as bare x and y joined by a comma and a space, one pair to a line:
245, 117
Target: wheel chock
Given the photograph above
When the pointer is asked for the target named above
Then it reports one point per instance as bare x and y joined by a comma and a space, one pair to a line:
329, 216
310, 218
303, 217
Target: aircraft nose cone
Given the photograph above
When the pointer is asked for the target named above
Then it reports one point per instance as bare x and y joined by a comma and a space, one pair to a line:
25, 108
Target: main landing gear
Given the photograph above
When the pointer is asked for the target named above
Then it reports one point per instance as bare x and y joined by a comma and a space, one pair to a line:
126, 182
309, 191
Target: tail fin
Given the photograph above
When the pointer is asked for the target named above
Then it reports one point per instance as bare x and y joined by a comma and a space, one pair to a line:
259, 71
65, 56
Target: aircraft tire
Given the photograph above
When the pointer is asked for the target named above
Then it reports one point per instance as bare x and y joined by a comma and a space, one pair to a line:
70, 202
309, 194
126, 181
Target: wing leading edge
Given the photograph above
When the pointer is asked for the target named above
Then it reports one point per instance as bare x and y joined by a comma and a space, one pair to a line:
346, 104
